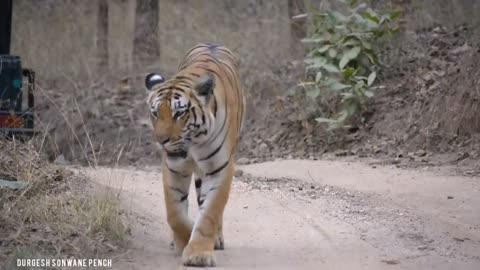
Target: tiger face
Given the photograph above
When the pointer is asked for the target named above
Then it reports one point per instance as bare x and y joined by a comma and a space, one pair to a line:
179, 110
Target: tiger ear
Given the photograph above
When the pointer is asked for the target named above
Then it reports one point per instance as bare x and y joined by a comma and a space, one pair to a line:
153, 79
205, 86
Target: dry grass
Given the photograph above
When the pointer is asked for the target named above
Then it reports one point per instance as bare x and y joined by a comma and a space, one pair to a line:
59, 214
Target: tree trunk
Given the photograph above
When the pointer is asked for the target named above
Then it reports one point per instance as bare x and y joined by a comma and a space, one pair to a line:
102, 35
5, 25
146, 47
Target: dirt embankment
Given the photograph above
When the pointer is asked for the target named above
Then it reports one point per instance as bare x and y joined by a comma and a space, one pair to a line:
426, 116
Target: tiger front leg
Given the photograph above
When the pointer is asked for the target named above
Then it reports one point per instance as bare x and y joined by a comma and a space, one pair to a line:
175, 187
215, 191
219, 241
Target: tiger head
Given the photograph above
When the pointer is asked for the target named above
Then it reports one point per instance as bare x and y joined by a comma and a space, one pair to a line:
180, 110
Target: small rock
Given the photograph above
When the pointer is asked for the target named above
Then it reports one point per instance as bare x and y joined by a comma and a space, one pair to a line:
422, 247
243, 161
459, 239
245, 206
391, 262
421, 153
461, 49
300, 188
238, 173
60, 160
449, 197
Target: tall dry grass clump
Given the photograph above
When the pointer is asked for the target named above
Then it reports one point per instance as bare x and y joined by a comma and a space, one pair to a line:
57, 214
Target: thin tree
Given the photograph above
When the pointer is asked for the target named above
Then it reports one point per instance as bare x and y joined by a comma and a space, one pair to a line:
102, 35
146, 47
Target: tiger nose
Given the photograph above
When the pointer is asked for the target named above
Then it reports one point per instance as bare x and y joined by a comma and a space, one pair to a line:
163, 139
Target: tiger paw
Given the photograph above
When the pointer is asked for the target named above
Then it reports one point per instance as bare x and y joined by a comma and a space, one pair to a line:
178, 245
219, 243
198, 259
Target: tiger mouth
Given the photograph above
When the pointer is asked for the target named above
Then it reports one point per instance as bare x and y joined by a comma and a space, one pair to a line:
177, 154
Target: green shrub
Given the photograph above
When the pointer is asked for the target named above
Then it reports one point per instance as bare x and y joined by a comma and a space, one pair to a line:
343, 59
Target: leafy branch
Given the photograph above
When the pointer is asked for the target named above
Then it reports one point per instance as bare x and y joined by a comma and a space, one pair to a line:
343, 59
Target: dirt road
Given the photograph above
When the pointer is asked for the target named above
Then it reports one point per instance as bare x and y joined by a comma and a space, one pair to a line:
319, 215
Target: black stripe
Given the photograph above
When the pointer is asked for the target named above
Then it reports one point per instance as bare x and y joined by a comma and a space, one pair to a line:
194, 74
178, 190
214, 151
180, 77
221, 129
176, 172
194, 115
200, 201
215, 106
184, 197
204, 132
174, 87
184, 85
218, 169
198, 183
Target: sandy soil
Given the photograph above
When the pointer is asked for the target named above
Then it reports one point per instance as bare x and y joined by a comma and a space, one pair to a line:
318, 215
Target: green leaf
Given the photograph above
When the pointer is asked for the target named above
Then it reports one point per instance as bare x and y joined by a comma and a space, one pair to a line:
366, 44
332, 52
337, 86
313, 40
371, 78
331, 68
343, 116
343, 62
337, 16
318, 77
353, 52
350, 41
324, 48
316, 62
349, 55
372, 16
348, 72
371, 57
360, 84
313, 93
369, 94
346, 96
395, 15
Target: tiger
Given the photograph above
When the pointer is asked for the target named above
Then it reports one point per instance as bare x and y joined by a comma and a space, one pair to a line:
197, 117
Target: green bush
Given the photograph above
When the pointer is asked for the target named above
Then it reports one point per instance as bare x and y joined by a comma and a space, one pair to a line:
343, 59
